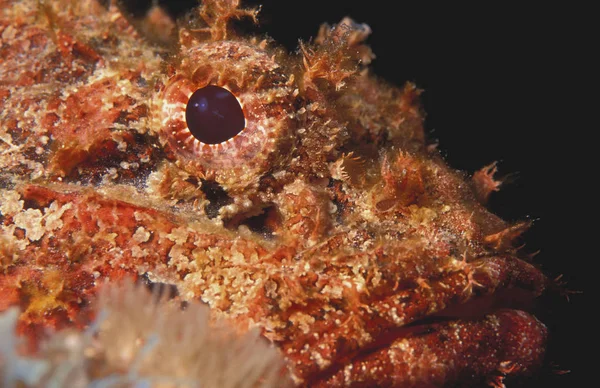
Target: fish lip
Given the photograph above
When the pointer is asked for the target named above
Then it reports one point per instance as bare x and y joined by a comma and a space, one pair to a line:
515, 300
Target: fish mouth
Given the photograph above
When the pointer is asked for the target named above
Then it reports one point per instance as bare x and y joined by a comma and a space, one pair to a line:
483, 340
476, 309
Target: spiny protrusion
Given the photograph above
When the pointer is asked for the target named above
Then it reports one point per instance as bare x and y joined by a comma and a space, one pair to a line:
158, 26
336, 55
348, 168
484, 183
352, 34
504, 240
402, 182
217, 14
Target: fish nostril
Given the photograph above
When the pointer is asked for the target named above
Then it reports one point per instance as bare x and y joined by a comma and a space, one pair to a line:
265, 221
217, 197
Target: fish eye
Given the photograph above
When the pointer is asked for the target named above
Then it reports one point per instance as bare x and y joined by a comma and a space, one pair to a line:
228, 112
214, 115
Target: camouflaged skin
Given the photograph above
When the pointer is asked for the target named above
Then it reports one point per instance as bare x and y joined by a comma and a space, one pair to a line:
331, 225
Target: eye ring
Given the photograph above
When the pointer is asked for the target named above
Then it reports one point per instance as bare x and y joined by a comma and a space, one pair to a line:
261, 87
253, 140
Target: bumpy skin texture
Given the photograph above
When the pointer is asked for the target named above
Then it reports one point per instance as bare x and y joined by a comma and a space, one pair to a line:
328, 222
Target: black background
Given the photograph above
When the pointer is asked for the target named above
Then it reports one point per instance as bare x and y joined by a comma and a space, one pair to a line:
500, 84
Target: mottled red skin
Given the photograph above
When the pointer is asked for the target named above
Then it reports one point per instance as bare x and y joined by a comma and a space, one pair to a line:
440, 344
376, 259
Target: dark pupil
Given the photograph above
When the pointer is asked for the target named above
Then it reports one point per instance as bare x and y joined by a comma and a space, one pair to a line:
214, 115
